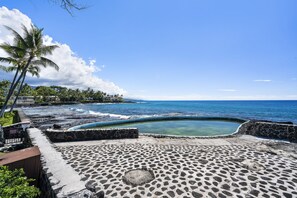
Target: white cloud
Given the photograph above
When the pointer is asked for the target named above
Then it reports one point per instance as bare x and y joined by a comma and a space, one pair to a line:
92, 62
12, 18
262, 80
228, 90
74, 71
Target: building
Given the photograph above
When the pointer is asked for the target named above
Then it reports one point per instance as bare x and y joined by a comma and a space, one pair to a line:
25, 100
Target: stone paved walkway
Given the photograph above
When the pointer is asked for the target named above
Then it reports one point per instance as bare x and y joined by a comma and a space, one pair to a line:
235, 167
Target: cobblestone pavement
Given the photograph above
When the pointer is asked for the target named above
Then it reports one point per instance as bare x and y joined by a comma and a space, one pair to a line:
236, 170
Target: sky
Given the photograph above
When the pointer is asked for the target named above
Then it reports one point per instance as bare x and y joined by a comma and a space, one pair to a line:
169, 49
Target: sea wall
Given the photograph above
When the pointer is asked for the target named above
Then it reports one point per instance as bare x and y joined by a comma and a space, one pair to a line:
270, 130
57, 179
91, 134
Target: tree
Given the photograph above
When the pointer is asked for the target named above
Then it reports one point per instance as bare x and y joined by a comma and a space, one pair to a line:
69, 5
4, 87
45, 91
98, 96
34, 71
16, 56
16, 184
27, 51
27, 90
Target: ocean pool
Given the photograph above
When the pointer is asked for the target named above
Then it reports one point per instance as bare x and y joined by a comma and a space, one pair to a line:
178, 126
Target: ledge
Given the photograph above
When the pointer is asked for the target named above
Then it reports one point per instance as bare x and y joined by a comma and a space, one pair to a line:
64, 180
91, 134
273, 130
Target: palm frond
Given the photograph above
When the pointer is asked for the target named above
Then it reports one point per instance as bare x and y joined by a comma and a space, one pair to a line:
38, 33
6, 47
25, 30
29, 39
10, 69
8, 60
34, 70
27, 53
49, 62
35, 74
17, 36
38, 62
3, 68
37, 36
13, 50
45, 50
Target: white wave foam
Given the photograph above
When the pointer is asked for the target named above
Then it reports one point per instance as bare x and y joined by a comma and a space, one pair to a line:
101, 103
109, 115
99, 113
160, 115
77, 109
145, 116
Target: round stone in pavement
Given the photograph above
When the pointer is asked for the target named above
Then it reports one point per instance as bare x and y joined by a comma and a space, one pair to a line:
138, 177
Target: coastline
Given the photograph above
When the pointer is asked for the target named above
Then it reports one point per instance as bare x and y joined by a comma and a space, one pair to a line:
71, 114
235, 166
66, 103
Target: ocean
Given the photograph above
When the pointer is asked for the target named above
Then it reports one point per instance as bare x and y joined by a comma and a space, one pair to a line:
262, 110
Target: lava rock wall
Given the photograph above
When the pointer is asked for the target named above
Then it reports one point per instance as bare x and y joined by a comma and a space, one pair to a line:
91, 134
271, 130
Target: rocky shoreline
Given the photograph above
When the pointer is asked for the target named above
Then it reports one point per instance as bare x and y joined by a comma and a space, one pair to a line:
62, 120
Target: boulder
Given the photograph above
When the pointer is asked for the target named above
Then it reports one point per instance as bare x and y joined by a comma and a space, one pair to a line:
57, 126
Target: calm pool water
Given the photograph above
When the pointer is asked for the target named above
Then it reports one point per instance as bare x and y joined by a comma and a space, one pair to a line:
182, 127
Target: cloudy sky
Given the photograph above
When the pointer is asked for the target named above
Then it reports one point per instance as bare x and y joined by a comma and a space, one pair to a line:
167, 50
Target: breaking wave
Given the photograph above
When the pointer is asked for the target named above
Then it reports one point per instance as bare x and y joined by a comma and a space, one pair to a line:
99, 113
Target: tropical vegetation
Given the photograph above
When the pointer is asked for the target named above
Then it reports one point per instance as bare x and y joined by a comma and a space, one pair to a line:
25, 55
16, 184
9, 118
59, 94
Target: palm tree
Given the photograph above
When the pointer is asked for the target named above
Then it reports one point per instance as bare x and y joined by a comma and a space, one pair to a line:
25, 51
34, 71
16, 56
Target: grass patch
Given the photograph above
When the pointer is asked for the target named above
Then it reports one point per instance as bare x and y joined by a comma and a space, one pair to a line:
9, 118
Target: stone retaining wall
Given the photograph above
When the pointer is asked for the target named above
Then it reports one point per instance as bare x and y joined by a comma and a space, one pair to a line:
58, 179
91, 134
22, 116
270, 130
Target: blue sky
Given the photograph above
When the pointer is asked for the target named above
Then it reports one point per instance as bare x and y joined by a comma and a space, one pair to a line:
172, 49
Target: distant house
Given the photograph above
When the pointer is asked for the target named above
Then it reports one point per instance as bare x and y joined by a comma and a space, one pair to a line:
52, 98
25, 100
47, 99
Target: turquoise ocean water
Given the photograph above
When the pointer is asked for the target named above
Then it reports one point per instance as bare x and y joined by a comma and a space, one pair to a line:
182, 127
264, 110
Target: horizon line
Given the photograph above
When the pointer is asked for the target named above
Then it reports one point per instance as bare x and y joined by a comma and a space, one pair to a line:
212, 99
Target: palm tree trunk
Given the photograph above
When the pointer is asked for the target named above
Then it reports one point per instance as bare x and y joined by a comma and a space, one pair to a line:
24, 70
9, 96
16, 73
19, 91
9, 93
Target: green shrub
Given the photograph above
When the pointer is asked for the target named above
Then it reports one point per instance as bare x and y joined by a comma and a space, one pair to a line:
8, 118
14, 184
